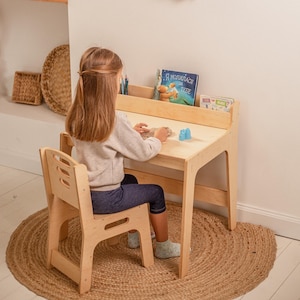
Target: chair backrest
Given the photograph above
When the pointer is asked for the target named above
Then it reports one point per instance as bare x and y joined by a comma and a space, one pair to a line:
66, 143
66, 180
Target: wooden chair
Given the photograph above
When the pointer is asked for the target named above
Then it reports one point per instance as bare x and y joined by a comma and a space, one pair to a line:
68, 195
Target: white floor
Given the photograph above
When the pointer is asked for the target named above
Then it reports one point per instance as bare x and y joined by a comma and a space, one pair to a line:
22, 194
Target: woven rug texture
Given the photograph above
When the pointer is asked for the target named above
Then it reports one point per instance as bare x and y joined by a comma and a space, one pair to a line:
223, 264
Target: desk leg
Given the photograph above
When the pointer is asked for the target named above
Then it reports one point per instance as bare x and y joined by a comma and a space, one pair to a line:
186, 220
232, 188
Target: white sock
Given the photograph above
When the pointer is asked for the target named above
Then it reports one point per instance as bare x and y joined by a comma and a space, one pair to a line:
167, 249
133, 240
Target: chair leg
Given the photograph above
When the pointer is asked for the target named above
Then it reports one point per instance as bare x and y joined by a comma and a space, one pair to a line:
58, 225
146, 249
53, 239
86, 267
146, 240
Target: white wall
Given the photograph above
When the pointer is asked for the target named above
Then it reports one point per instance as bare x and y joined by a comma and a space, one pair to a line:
244, 49
29, 30
248, 50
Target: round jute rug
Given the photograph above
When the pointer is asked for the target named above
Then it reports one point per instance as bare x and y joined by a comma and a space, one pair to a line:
223, 264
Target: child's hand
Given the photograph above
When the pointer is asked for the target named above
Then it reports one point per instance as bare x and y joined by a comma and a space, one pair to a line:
161, 133
141, 128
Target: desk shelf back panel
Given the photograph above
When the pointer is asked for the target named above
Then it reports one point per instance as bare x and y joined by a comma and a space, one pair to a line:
139, 101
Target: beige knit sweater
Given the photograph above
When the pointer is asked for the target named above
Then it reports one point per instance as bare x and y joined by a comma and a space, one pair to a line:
104, 160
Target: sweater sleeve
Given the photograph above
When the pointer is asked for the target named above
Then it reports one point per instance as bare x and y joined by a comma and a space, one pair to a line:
129, 143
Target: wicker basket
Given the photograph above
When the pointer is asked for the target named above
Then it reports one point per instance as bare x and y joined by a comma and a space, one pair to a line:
27, 88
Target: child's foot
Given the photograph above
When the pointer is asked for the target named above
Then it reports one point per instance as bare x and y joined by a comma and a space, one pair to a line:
134, 239
167, 249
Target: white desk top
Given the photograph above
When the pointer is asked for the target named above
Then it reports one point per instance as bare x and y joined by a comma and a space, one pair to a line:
202, 136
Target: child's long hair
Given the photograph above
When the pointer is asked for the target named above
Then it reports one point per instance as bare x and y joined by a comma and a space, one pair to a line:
92, 115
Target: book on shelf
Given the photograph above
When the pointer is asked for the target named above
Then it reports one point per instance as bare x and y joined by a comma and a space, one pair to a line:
216, 103
177, 87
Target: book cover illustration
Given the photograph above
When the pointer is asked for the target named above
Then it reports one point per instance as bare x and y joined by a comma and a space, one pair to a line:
216, 103
177, 87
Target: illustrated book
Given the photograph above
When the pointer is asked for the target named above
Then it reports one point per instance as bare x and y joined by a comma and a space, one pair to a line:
216, 103
176, 87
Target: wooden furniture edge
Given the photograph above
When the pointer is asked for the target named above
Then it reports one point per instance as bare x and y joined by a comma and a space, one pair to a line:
60, 1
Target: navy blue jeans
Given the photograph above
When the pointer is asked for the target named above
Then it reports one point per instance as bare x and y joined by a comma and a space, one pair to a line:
128, 195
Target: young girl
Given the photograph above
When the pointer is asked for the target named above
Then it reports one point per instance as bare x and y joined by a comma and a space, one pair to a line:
103, 137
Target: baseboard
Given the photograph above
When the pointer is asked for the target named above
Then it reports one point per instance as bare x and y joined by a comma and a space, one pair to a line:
20, 161
25, 129
281, 224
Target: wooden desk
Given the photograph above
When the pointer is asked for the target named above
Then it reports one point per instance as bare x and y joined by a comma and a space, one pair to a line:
212, 134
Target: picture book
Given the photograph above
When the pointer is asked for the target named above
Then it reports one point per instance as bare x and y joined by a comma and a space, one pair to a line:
176, 87
216, 103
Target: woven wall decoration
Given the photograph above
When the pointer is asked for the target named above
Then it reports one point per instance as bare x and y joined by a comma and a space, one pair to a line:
56, 80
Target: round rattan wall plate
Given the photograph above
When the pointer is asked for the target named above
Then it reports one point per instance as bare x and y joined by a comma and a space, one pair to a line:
56, 80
